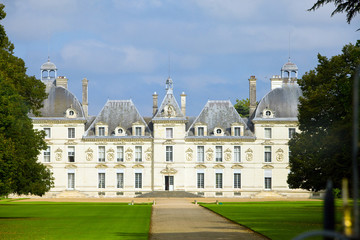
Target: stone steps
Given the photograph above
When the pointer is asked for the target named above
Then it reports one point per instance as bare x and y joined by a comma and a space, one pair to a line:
168, 194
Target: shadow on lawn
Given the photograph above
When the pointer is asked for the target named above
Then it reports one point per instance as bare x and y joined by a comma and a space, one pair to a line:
18, 218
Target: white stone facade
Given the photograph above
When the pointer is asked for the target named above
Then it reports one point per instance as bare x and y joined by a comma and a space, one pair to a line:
119, 153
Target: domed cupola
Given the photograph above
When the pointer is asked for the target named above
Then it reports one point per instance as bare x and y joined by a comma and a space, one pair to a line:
48, 71
289, 68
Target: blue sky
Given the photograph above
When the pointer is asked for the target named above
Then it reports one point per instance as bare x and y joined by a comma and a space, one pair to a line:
123, 47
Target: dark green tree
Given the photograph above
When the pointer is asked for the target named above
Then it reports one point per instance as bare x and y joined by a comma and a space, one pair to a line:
20, 144
242, 107
351, 7
322, 150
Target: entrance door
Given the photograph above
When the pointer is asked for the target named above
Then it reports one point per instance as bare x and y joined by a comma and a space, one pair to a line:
169, 183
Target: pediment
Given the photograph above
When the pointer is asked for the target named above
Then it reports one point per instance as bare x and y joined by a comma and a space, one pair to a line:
119, 166
200, 166
101, 165
219, 166
138, 166
237, 166
267, 167
70, 166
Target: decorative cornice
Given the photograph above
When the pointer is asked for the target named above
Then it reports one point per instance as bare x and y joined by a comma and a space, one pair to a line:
116, 140
57, 121
275, 121
236, 140
168, 170
267, 142
169, 142
48, 165
71, 142
169, 121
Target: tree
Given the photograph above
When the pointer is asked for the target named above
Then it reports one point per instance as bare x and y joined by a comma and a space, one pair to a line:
242, 107
351, 7
322, 150
20, 144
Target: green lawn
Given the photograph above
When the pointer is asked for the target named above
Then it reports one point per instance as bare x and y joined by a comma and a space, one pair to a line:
276, 220
48, 220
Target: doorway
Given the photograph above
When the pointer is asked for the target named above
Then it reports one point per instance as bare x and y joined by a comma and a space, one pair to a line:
169, 183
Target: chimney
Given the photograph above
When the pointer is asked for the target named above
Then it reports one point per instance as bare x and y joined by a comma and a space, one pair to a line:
183, 103
85, 96
61, 81
155, 103
252, 94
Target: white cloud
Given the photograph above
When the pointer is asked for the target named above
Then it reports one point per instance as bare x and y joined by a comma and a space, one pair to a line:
95, 56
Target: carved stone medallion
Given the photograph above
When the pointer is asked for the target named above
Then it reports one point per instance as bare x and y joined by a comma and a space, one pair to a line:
110, 154
209, 154
128, 154
189, 154
58, 154
249, 154
227, 154
89, 154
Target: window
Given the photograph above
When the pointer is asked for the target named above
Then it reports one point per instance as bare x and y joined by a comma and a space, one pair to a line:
218, 153
71, 113
101, 154
169, 153
237, 131
101, 131
268, 113
267, 153
101, 180
120, 180
218, 180
237, 154
138, 154
200, 180
120, 153
237, 180
267, 182
71, 180
138, 180
169, 133
71, 154
137, 131
120, 131
267, 179
47, 155
200, 153
47, 133
267, 132
218, 131
71, 132
200, 131
291, 132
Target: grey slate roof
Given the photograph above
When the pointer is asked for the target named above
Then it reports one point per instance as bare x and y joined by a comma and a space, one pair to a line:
169, 99
118, 113
283, 102
219, 114
58, 101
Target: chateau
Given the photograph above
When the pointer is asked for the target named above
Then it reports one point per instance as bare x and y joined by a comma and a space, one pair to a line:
120, 153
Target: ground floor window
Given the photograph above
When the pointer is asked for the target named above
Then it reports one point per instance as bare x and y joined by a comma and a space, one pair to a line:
218, 180
267, 182
138, 180
71, 180
200, 180
101, 183
237, 180
120, 180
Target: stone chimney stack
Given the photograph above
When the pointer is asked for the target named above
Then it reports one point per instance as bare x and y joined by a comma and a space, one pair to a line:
252, 94
183, 103
155, 103
61, 81
85, 96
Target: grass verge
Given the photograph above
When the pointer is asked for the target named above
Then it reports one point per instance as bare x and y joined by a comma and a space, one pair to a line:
53, 220
276, 220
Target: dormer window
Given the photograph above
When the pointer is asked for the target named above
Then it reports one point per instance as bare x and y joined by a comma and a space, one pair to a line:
119, 131
200, 131
218, 131
267, 113
138, 129
71, 113
101, 129
237, 129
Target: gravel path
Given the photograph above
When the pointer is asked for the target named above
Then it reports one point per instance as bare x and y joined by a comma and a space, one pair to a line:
180, 219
